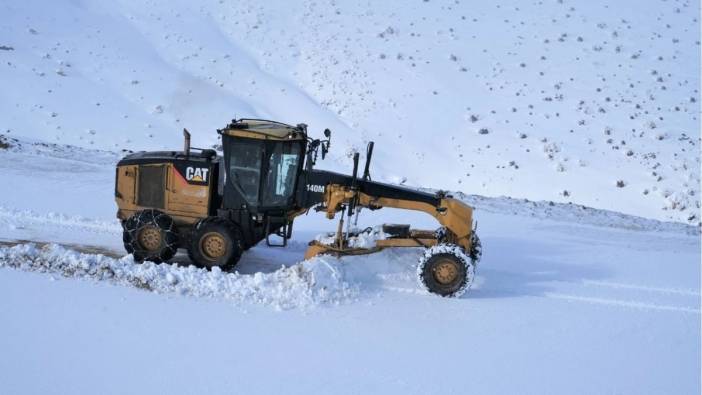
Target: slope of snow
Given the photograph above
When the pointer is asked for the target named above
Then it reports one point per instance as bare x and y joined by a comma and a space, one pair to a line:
532, 112
593, 103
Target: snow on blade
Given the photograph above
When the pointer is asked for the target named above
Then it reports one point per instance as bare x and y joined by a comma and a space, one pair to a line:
365, 239
303, 285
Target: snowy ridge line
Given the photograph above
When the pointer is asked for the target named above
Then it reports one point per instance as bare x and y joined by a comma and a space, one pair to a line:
74, 153
623, 303
573, 213
560, 212
18, 217
303, 285
677, 291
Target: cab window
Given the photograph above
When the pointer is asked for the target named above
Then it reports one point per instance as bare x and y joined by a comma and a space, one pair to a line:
245, 168
283, 165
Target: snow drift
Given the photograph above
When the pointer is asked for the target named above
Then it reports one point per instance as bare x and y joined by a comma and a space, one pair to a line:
303, 285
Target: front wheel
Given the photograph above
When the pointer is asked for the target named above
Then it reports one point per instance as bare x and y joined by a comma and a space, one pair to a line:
215, 242
476, 248
446, 270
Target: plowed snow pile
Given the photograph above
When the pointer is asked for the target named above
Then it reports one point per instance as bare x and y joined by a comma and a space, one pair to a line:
303, 285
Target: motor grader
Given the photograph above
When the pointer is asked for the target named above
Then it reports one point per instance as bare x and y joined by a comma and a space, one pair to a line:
218, 206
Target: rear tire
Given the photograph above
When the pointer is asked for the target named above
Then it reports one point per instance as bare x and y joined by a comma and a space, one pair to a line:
215, 242
150, 235
446, 270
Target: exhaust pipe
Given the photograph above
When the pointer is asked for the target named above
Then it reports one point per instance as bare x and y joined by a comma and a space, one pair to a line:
186, 145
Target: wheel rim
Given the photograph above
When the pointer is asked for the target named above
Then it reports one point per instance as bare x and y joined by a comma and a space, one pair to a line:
445, 272
213, 245
150, 238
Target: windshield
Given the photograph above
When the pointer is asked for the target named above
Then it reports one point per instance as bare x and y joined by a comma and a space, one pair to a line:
282, 171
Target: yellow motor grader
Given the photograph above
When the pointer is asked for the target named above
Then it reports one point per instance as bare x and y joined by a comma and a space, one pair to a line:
216, 207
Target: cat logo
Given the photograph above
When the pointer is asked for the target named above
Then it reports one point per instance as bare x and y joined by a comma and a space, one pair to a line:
196, 174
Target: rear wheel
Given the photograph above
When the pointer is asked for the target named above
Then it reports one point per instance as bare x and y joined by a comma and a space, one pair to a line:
446, 270
150, 235
215, 242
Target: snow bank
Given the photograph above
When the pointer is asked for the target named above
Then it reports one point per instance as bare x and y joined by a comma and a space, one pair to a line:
13, 217
304, 285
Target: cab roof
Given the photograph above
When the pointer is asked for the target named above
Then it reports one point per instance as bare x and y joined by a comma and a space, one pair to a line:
264, 129
155, 157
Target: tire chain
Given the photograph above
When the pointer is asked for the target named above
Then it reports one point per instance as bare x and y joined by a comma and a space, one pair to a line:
454, 250
158, 219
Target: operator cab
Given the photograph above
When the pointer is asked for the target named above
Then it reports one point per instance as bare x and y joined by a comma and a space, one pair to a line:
263, 161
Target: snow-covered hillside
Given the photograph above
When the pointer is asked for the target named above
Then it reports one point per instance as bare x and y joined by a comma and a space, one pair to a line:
594, 102
572, 127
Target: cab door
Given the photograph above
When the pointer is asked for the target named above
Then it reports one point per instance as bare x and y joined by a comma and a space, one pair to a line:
243, 162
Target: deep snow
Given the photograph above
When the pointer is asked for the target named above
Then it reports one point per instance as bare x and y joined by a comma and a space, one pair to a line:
548, 309
551, 101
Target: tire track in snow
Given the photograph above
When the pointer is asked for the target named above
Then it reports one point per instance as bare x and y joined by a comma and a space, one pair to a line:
677, 291
417, 291
623, 303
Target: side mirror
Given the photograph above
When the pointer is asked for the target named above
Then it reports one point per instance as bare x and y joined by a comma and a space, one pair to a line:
327, 133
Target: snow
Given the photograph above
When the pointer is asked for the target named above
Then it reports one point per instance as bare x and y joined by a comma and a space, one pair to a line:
546, 310
564, 296
554, 100
298, 286
533, 113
